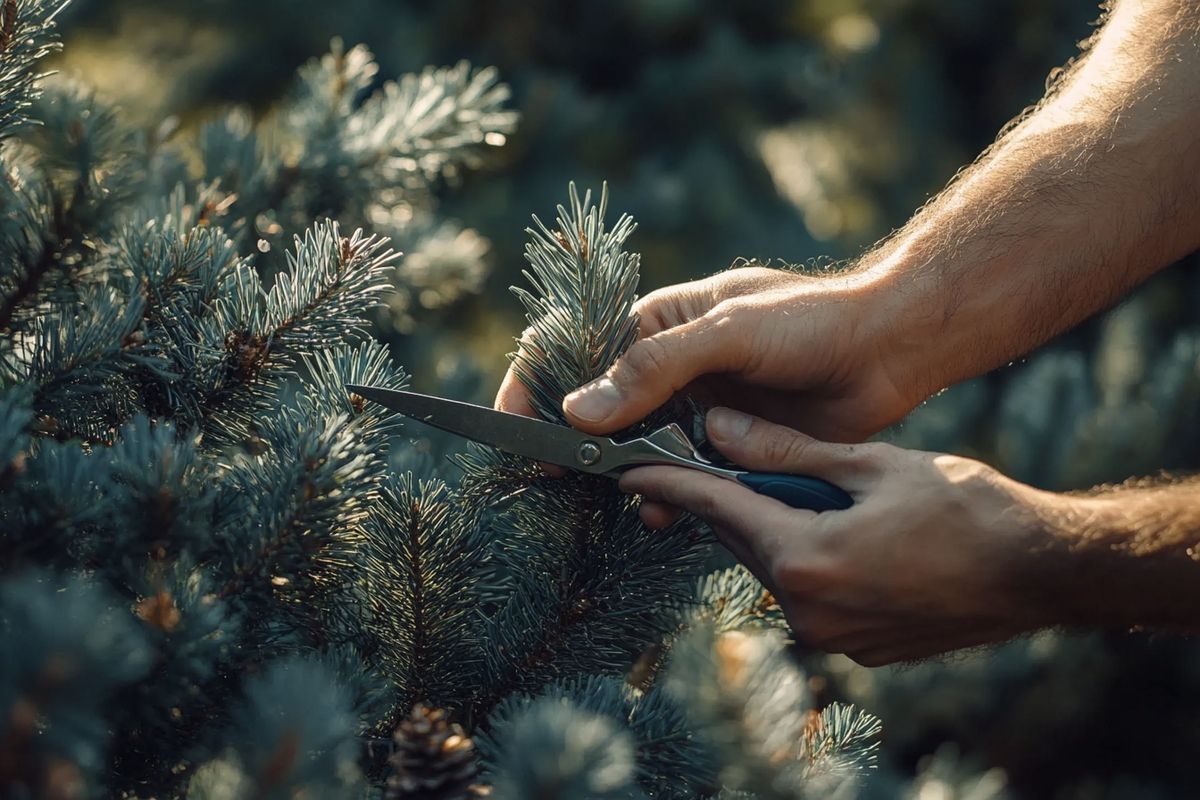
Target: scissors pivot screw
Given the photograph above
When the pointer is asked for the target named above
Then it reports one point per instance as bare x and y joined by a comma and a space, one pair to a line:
588, 453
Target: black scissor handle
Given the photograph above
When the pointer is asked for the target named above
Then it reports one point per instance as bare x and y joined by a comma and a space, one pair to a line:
798, 491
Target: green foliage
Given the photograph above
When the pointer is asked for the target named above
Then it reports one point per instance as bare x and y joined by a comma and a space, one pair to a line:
213, 581
424, 555
25, 39
581, 312
751, 704
279, 747
340, 147
556, 749
76, 648
223, 576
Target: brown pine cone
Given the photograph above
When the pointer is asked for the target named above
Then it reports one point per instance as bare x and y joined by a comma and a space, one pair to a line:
434, 759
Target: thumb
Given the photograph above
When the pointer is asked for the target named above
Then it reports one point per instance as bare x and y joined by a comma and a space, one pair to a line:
757, 444
649, 373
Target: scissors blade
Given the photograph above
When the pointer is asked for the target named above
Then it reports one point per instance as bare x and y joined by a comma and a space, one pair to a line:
512, 433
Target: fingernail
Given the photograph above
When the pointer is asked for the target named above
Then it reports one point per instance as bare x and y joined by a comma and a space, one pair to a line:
595, 401
727, 425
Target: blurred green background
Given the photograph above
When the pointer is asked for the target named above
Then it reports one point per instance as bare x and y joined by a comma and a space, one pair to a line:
774, 129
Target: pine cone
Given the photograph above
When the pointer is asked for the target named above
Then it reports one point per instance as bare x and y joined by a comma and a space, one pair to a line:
434, 759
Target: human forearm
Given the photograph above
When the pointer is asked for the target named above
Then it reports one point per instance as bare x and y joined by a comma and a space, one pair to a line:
1090, 195
1127, 556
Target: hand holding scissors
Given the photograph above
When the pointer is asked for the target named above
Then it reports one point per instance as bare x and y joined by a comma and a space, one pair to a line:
599, 455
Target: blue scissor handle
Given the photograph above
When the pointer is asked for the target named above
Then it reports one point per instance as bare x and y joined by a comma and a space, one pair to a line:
798, 491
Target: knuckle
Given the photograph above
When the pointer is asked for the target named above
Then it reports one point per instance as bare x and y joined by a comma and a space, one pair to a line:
830, 546
870, 459
730, 312
673, 306
793, 575
779, 447
964, 472
647, 357
659, 310
705, 506
875, 451
874, 457
870, 454
528, 346
698, 503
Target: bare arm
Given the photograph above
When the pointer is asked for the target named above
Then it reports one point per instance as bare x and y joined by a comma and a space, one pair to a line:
1128, 556
1089, 195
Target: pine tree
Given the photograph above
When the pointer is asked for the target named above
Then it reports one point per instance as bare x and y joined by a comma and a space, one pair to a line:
213, 582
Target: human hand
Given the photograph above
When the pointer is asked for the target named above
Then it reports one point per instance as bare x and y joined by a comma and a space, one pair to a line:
808, 352
938, 553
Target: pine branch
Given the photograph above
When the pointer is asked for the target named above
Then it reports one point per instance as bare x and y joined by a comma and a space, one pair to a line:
429, 123
587, 585
64, 650
750, 701
369, 364
727, 600
334, 151
51, 503
581, 311
234, 157
93, 161
672, 762
182, 270
78, 166
312, 491
331, 280
330, 284
187, 692
75, 359
15, 419
182, 274
27, 36
842, 741
159, 496
421, 562
555, 750
583, 583
292, 736
32, 235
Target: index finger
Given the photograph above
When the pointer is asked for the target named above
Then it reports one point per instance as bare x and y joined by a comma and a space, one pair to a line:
745, 519
512, 396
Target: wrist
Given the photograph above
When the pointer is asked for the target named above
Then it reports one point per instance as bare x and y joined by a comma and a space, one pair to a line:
1036, 573
898, 321
1060, 561
1104, 563
1130, 557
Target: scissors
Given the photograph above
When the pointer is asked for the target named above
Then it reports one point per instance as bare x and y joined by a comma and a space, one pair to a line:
599, 455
